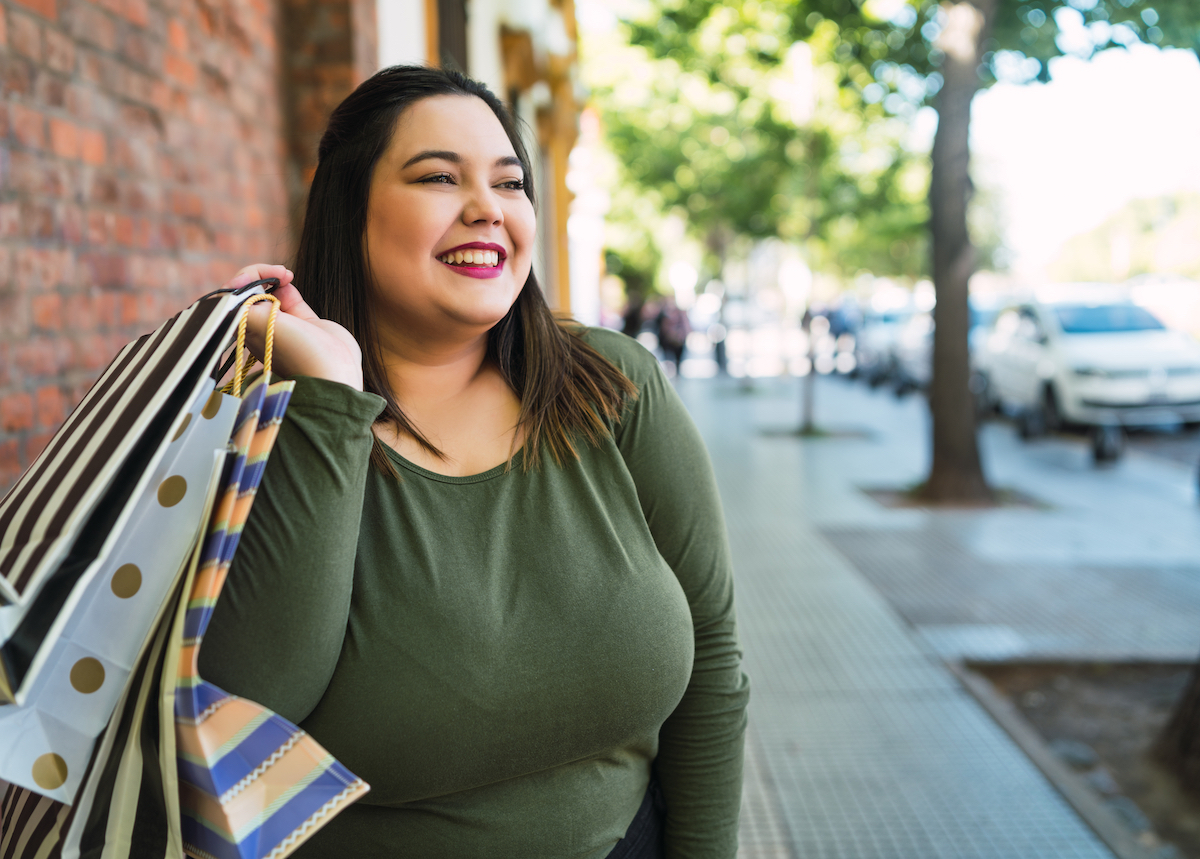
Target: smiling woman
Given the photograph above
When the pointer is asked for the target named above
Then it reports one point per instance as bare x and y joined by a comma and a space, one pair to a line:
532, 662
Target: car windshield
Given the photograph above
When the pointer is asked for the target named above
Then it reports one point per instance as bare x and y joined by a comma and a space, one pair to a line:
1104, 318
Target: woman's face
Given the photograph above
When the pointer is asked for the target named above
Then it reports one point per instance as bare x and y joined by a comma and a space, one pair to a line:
450, 232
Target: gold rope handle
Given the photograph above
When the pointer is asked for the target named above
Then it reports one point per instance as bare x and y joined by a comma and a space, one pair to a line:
240, 365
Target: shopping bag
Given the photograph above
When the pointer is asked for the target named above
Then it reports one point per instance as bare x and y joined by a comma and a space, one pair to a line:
208, 774
74, 637
67, 512
251, 784
125, 809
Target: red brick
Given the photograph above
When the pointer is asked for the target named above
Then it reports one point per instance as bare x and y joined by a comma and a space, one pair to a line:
45, 8
27, 37
70, 221
33, 173
179, 69
93, 352
107, 309
37, 221
177, 36
93, 26
3, 28
10, 464
50, 406
47, 311
16, 412
99, 227
123, 231
130, 310
103, 269
92, 148
28, 125
37, 356
10, 220
60, 51
49, 90
139, 48
137, 12
64, 138
35, 443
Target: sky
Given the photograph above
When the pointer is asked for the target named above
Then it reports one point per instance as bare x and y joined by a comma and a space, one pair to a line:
1066, 155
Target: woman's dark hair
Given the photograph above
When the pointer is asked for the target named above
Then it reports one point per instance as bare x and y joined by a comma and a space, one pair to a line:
565, 387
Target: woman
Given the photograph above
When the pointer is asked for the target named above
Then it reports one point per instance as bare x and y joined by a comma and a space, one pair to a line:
507, 655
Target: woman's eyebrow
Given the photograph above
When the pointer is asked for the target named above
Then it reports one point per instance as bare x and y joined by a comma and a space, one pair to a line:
441, 154
455, 158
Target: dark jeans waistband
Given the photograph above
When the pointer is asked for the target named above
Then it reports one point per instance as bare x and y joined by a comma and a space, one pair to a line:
644, 838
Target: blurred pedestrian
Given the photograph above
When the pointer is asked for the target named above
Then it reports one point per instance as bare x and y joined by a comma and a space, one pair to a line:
673, 326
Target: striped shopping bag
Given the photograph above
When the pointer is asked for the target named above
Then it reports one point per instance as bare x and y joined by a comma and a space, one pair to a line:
183, 768
252, 785
62, 519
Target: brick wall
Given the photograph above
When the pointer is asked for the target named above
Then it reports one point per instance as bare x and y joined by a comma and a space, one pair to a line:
143, 159
330, 47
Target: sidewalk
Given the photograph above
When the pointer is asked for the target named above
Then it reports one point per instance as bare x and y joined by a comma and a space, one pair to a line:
862, 743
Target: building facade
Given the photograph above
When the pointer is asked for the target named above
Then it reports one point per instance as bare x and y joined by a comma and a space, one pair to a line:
150, 148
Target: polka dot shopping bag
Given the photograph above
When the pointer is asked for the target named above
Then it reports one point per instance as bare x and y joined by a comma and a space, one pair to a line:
99, 716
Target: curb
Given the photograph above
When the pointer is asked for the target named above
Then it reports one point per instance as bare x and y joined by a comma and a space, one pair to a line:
1073, 788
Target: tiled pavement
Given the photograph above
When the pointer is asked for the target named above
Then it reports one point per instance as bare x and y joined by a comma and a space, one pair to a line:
862, 744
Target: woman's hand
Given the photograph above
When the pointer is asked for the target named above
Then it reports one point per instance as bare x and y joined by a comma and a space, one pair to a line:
305, 344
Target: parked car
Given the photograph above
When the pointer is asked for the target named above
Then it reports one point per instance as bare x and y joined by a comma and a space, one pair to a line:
912, 348
1092, 359
874, 346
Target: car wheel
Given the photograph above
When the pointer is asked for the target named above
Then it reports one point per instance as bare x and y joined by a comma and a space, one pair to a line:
1051, 415
1108, 443
1031, 423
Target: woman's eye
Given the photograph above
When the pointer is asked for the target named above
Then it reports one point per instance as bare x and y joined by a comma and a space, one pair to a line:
514, 184
439, 178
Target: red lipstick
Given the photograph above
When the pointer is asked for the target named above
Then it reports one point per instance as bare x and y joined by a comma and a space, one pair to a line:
474, 269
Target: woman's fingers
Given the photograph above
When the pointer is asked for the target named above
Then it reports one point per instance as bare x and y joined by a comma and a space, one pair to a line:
290, 301
258, 271
304, 344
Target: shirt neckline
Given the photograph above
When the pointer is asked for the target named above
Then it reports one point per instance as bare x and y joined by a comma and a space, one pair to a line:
491, 473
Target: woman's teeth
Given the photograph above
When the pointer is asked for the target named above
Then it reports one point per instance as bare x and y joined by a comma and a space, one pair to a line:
471, 257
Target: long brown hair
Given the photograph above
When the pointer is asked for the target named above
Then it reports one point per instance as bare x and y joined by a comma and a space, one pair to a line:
567, 390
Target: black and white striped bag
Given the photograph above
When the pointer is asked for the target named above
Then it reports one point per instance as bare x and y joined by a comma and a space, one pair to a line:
68, 510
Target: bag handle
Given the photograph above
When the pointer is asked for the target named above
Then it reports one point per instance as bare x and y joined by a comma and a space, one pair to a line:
240, 365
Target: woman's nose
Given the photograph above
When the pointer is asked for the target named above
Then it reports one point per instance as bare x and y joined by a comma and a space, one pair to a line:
483, 207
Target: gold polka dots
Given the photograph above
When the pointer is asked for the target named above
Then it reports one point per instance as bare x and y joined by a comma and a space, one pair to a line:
172, 490
87, 675
183, 425
50, 771
126, 581
212, 406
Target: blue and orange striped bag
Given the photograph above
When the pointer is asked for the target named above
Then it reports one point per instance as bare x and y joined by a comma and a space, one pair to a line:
184, 769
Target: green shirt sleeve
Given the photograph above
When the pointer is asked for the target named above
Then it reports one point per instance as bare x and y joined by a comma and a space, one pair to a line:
699, 761
277, 629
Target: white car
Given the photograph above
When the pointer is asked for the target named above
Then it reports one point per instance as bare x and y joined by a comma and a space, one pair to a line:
1097, 361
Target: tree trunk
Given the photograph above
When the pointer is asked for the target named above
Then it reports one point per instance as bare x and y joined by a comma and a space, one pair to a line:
1178, 746
956, 475
808, 385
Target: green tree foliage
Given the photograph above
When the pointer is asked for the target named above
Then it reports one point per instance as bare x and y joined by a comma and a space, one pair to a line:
889, 47
726, 135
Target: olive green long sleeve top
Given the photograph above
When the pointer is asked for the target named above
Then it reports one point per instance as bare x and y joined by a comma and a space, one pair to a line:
502, 657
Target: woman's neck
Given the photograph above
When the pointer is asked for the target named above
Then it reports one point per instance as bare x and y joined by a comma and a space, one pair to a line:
423, 373
454, 397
